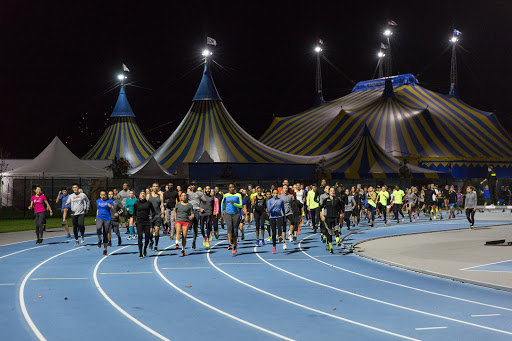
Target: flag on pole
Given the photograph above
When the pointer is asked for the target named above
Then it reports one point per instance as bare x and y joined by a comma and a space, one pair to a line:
392, 23
456, 32
125, 68
382, 46
211, 41
320, 41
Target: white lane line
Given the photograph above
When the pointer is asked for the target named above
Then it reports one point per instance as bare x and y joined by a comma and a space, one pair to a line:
212, 307
40, 279
98, 286
382, 302
401, 285
35, 247
238, 263
187, 268
124, 273
478, 266
22, 295
485, 315
303, 306
7, 283
429, 328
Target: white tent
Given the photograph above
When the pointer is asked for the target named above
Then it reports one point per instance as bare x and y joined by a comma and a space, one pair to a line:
150, 169
57, 161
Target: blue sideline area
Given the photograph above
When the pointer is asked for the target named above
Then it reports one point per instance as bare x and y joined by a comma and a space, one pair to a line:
302, 293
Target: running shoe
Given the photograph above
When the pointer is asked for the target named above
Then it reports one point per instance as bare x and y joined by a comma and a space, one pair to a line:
104, 252
471, 226
145, 253
207, 243
150, 245
76, 242
326, 247
258, 242
140, 256
211, 238
119, 242
284, 246
348, 228
82, 240
68, 236
331, 251
109, 243
155, 249
216, 235
63, 223
449, 218
126, 232
243, 235
290, 237
274, 249
234, 249
204, 242
298, 230
269, 238
194, 245
262, 242
294, 238
129, 238
230, 247
177, 246
182, 253
99, 243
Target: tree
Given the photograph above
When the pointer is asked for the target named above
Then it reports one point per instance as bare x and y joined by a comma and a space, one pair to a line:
119, 167
404, 171
4, 154
321, 172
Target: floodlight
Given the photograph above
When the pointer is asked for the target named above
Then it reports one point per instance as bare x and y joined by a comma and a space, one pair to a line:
318, 49
387, 33
454, 39
380, 54
121, 77
206, 53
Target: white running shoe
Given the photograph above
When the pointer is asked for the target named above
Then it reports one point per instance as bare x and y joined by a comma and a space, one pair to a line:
290, 237
284, 246
82, 240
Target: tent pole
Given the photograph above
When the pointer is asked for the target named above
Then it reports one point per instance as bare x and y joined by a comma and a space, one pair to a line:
52, 200
24, 196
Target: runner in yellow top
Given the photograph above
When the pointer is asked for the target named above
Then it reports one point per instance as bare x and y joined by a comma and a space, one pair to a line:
398, 200
371, 206
383, 202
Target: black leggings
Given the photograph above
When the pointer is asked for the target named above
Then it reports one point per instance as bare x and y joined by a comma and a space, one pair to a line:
314, 216
276, 225
216, 222
206, 220
195, 223
383, 210
259, 219
39, 221
398, 209
470, 214
102, 228
78, 223
330, 224
143, 227
346, 217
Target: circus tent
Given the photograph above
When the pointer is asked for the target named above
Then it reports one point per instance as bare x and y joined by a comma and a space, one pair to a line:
122, 138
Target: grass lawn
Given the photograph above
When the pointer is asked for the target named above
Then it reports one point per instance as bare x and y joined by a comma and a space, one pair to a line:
13, 225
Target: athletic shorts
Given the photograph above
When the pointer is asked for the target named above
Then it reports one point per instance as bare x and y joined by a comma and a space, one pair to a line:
290, 218
114, 225
182, 223
129, 215
157, 221
451, 205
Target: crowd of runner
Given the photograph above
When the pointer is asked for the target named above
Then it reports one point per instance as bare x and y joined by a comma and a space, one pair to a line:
277, 212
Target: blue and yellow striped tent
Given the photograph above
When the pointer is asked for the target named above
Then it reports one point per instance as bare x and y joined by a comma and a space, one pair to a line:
208, 127
407, 121
364, 158
122, 138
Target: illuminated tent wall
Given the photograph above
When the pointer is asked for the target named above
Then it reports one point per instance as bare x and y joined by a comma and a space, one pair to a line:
437, 131
122, 138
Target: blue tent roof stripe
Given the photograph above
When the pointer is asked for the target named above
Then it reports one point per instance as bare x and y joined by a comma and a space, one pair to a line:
207, 90
122, 108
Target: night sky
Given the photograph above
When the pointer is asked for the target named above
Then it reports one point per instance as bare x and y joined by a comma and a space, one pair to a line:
58, 62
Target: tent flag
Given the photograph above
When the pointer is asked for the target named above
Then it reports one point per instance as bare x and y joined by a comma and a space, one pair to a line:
211, 41
125, 68
392, 23
457, 32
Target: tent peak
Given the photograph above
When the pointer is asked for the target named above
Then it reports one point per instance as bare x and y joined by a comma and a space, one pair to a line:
388, 89
454, 91
122, 108
206, 90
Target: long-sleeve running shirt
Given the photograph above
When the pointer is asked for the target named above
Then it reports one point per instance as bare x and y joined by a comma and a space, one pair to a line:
142, 210
231, 208
79, 203
275, 208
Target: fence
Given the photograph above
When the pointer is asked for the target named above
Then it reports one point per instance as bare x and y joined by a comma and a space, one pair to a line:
16, 192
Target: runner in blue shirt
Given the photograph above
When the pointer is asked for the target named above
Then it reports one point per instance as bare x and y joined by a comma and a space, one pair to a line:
103, 219
230, 207
63, 197
275, 209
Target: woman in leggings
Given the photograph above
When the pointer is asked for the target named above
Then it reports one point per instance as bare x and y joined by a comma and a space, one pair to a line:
332, 206
143, 210
371, 205
38, 202
230, 207
258, 204
470, 205
275, 210
183, 214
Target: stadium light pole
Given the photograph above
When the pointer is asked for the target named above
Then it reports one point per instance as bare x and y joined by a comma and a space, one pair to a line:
318, 81
388, 33
380, 55
453, 69
121, 78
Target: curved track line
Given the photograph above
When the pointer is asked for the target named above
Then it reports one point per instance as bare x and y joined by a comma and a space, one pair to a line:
35, 247
140, 324
382, 302
301, 305
398, 284
22, 294
212, 307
